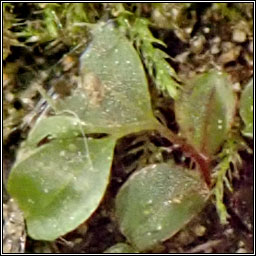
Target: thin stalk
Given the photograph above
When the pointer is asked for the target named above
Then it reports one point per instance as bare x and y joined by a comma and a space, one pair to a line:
202, 160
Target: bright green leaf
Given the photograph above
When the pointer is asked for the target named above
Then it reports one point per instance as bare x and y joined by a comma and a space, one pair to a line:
120, 248
205, 112
156, 202
113, 95
61, 184
246, 109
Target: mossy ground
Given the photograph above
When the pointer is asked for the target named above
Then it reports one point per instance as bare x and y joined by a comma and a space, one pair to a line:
42, 46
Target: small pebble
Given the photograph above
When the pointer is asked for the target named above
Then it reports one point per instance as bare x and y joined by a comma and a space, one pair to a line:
241, 243
239, 36
229, 231
215, 49
206, 30
199, 230
251, 46
236, 87
230, 55
216, 39
188, 30
197, 44
241, 250
9, 97
181, 58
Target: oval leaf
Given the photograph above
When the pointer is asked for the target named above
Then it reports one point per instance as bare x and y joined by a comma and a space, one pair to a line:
246, 109
120, 248
205, 112
54, 127
60, 184
113, 95
51, 128
156, 202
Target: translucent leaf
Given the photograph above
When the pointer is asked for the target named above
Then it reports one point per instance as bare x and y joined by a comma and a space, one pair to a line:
246, 109
156, 202
113, 95
120, 248
59, 127
50, 128
60, 184
54, 127
205, 112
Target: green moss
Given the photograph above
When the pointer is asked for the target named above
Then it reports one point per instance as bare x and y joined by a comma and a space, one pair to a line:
9, 37
155, 60
229, 156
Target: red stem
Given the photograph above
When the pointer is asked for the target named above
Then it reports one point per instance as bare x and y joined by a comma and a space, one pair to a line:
202, 160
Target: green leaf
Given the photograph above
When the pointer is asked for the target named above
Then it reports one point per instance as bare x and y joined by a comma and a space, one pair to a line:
158, 201
60, 184
59, 178
113, 95
246, 109
54, 127
205, 112
51, 128
121, 248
